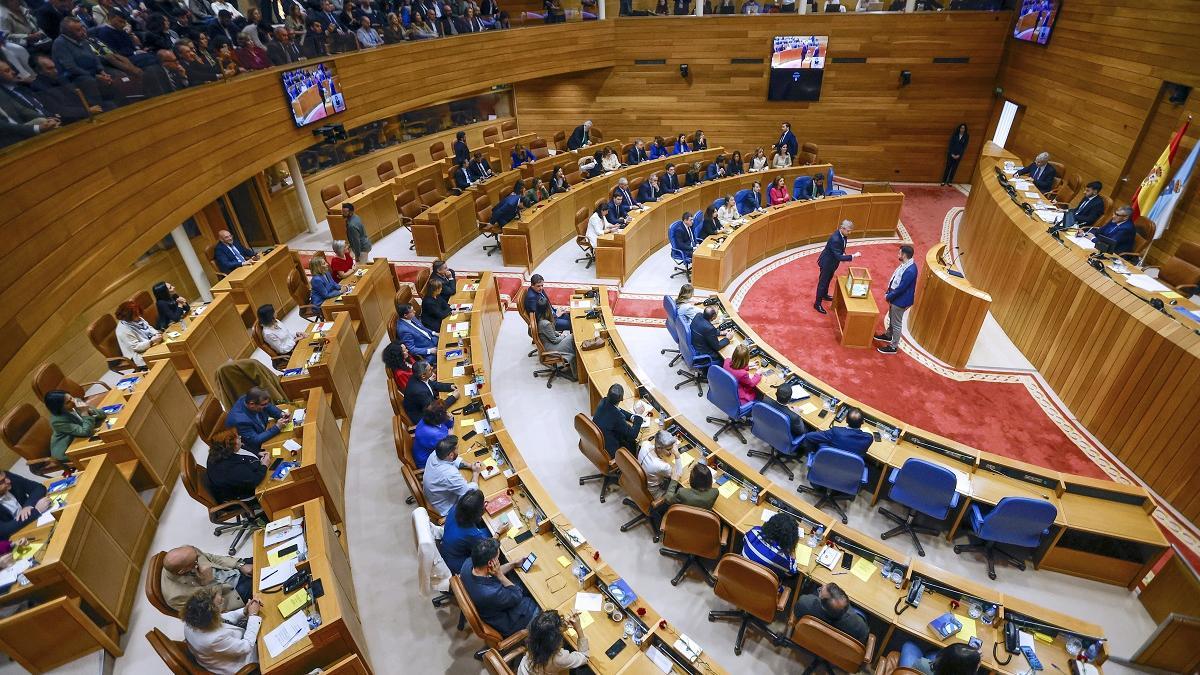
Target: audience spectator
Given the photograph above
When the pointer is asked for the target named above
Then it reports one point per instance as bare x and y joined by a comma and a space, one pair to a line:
422, 390
699, 492
282, 50
221, 641
168, 76
250, 56
134, 335
658, 456
76, 59
443, 23
231, 7
434, 307
256, 29
464, 526
21, 501
70, 418
274, 333
17, 56
234, 472
187, 568
661, 8
204, 66
256, 418
50, 16
114, 34
773, 545
492, 15
620, 427
471, 23
442, 481
226, 60
295, 23
434, 425
21, 25
59, 98
394, 32
24, 116
368, 37
314, 44
501, 604
224, 29
544, 651
420, 29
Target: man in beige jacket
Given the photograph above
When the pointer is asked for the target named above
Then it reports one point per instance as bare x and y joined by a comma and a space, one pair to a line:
187, 568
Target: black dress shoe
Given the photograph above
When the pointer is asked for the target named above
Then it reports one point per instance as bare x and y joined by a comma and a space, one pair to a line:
882, 337
819, 308
887, 349
828, 298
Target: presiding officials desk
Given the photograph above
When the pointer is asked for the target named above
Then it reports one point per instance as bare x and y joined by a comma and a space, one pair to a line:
261, 282
755, 498
567, 564
1128, 372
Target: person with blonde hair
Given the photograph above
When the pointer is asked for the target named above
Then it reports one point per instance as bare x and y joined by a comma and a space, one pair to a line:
686, 306
738, 365
322, 284
221, 642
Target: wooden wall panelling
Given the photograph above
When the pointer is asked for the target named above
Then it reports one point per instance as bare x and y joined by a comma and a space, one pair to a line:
865, 123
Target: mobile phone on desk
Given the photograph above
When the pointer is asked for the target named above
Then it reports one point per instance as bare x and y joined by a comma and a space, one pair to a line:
528, 562
847, 560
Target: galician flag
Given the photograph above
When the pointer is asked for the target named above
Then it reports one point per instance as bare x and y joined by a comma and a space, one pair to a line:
1148, 191
1164, 206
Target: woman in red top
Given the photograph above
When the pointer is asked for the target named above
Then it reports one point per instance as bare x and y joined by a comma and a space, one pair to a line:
778, 194
342, 263
398, 362
738, 365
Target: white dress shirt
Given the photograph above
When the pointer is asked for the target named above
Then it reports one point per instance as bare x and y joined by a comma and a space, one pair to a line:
595, 228
280, 338
728, 215
658, 471
220, 5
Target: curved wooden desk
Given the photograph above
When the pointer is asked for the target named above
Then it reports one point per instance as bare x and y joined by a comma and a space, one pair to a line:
1129, 373
948, 311
719, 260
747, 506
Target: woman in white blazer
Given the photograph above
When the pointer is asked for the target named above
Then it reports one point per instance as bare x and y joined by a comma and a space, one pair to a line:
134, 334
221, 642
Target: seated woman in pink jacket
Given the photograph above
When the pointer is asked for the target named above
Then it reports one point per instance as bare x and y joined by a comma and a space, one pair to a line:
739, 366
778, 194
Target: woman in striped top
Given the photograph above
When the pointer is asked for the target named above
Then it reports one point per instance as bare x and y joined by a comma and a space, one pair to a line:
772, 545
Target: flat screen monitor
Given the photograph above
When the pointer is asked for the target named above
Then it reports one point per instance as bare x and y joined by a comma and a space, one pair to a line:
313, 92
797, 67
1035, 20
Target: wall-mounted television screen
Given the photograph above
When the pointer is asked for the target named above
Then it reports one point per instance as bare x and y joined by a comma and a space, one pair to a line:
797, 67
1035, 20
313, 92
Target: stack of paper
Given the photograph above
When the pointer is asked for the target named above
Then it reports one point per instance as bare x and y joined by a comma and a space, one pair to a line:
269, 577
286, 634
589, 602
8, 575
289, 530
1147, 283
1083, 242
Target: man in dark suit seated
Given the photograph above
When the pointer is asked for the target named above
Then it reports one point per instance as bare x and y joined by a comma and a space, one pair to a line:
57, 96
670, 180
422, 390
706, 339
1040, 172
1091, 206
509, 207
636, 154
830, 605
480, 166
650, 190
169, 75
783, 396
1120, 229
501, 604
22, 501
23, 116
618, 210
282, 50
251, 415
850, 438
230, 254
420, 341
580, 136
620, 427
537, 291
463, 176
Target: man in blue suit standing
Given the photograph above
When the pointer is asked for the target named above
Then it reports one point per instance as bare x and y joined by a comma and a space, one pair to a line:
833, 255
230, 254
850, 438
900, 291
420, 340
252, 416
787, 139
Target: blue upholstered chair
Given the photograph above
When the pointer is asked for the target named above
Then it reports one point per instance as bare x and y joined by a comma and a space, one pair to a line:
831, 190
717, 203
673, 328
926, 489
835, 475
723, 393
739, 198
773, 428
697, 372
1016, 521
802, 188
682, 257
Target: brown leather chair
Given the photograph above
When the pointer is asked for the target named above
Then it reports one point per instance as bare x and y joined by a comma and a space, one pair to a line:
539, 149
353, 185
1060, 179
27, 434
210, 418
278, 361
301, 294
692, 535
637, 492
145, 302
102, 332
1068, 190
418, 494
385, 171
1108, 211
595, 136
391, 327
890, 665
428, 192
154, 594
406, 296
332, 197
422, 280
179, 660
581, 224
437, 151
406, 162
483, 220
404, 445
624, 150
1189, 251
491, 135
560, 141
591, 444
210, 257
830, 647
1142, 238
238, 516
1181, 275
509, 128
754, 590
509, 647
409, 207
495, 664
808, 154
49, 377
555, 363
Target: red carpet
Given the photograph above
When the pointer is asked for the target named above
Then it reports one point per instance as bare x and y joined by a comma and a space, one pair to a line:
997, 417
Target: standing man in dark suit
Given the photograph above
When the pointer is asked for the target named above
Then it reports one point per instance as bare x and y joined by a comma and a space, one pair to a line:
833, 255
620, 427
901, 288
1040, 172
462, 154
787, 139
22, 501
850, 438
422, 390
706, 339
579, 138
670, 181
954, 152
231, 254
637, 154
1091, 206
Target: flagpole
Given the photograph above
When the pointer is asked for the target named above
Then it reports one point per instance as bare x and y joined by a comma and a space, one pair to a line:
1169, 154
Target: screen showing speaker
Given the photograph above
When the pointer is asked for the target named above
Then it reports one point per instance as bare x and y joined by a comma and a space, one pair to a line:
797, 67
314, 93
1035, 20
